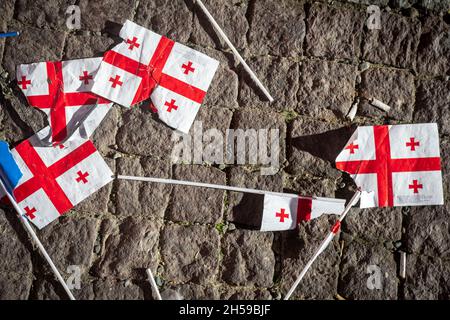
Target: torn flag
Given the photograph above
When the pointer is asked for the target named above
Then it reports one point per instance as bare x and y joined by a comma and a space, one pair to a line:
147, 64
396, 165
285, 212
9, 171
63, 91
57, 178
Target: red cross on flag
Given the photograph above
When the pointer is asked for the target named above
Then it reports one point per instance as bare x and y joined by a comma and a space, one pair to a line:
285, 212
147, 64
396, 165
57, 178
63, 91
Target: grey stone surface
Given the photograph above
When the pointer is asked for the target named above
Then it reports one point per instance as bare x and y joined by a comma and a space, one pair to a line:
129, 247
248, 258
395, 44
285, 20
393, 87
104, 15
428, 231
433, 103
375, 224
145, 199
170, 18
278, 75
357, 279
433, 56
245, 294
427, 278
327, 89
297, 248
142, 134
194, 204
334, 32
86, 46
70, 242
190, 253
33, 45
230, 15
309, 149
43, 14
246, 209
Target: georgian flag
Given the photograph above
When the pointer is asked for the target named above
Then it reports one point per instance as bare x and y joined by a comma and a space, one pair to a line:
396, 165
147, 64
285, 212
63, 91
56, 178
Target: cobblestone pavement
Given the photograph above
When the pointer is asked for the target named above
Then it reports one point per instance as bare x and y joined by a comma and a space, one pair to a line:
317, 58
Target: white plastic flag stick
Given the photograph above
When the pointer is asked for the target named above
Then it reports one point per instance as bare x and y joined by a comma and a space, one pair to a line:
36, 240
211, 186
152, 281
324, 243
380, 104
236, 53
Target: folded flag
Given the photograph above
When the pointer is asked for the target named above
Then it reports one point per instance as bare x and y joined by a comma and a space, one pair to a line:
63, 91
9, 171
396, 165
57, 178
147, 64
285, 212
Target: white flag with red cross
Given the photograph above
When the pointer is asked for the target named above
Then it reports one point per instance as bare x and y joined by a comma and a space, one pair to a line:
147, 64
62, 89
396, 165
56, 178
285, 212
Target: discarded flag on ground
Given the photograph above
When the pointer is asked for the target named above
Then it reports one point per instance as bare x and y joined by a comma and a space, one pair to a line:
63, 91
285, 212
145, 65
397, 165
57, 178
9, 171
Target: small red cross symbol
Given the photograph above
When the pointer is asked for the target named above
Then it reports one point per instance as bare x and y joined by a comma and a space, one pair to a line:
413, 144
82, 177
352, 147
24, 82
133, 43
416, 186
115, 81
29, 212
187, 68
171, 105
85, 77
281, 215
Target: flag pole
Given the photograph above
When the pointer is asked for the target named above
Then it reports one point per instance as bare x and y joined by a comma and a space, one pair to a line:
325, 242
152, 281
36, 240
218, 186
235, 52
